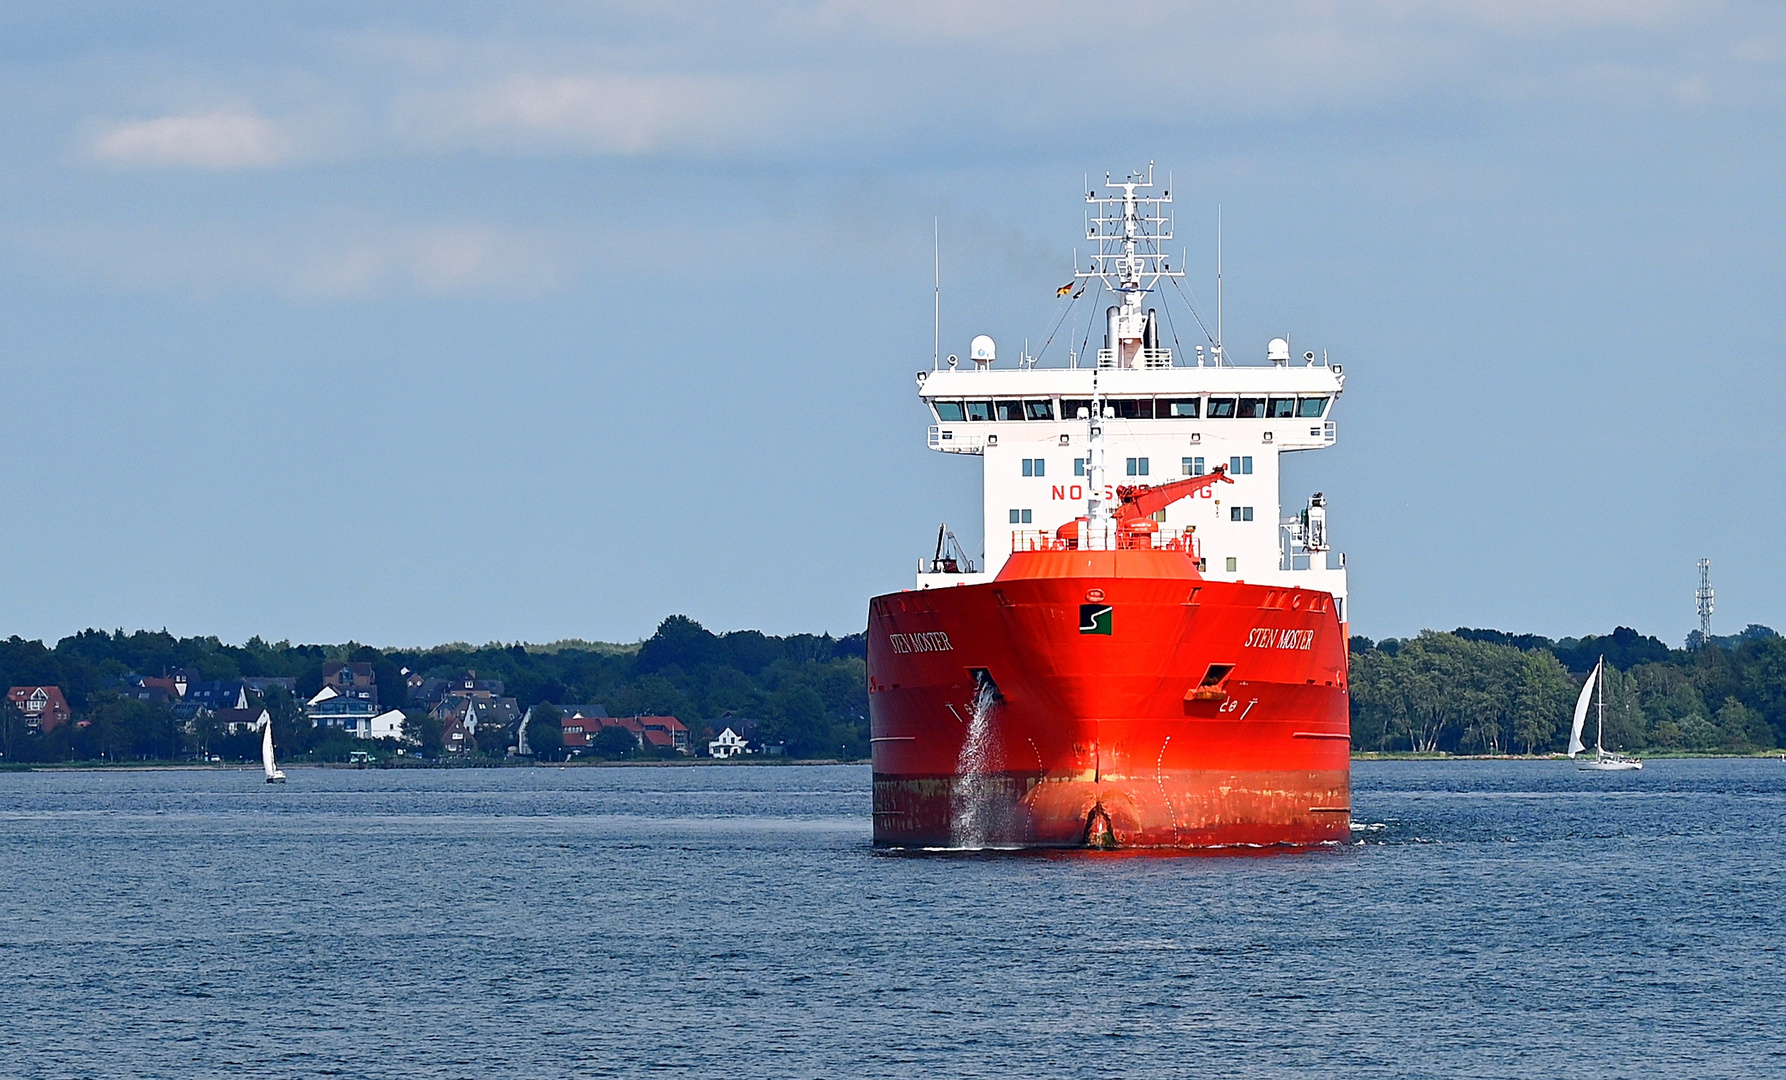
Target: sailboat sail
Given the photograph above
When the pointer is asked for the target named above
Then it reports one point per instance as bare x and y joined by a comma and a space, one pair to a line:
1581, 710
266, 750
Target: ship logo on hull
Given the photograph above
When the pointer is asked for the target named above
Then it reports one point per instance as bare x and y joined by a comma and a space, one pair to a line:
1095, 618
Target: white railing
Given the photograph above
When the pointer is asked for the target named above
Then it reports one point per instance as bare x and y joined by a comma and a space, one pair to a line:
1146, 358
1184, 540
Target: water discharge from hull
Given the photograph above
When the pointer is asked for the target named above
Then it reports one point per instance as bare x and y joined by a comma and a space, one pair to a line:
973, 796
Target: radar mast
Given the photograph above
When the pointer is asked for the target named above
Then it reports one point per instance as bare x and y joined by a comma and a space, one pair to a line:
1129, 230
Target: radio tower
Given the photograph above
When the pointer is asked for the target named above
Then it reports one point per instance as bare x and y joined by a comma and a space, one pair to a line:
1702, 598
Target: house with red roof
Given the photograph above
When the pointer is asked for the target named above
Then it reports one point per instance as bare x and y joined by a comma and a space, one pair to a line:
662, 733
653, 732
44, 707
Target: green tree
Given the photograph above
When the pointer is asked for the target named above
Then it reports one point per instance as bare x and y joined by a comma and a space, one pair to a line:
421, 730
13, 731
796, 716
203, 731
1542, 698
1764, 682
653, 695
545, 733
1626, 724
1742, 728
613, 742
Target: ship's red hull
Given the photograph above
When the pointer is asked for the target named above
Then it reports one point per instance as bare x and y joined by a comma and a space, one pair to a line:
1108, 738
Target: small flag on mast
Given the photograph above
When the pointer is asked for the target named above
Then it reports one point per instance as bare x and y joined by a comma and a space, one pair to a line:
1065, 289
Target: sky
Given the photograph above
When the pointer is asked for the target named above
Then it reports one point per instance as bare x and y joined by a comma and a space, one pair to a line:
411, 323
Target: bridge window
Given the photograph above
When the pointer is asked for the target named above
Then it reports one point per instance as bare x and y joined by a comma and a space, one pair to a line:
1240, 513
1070, 408
1035, 466
948, 411
1008, 410
1132, 408
1078, 466
1191, 466
1020, 517
1039, 410
1176, 408
1280, 408
1311, 406
1221, 408
1240, 466
1251, 408
979, 410
1137, 466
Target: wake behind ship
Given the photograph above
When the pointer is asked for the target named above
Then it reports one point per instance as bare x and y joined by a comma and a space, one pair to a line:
1151, 657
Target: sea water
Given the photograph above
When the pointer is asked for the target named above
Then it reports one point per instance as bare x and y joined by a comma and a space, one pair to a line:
1508, 919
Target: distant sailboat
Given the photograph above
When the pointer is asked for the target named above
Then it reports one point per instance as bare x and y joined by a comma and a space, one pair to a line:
274, 776
1603, 759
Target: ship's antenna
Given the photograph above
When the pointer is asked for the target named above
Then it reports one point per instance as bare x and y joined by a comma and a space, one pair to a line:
1218, 282
936, 295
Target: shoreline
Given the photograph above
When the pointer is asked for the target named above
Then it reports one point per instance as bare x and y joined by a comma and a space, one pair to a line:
173, 766
254, 767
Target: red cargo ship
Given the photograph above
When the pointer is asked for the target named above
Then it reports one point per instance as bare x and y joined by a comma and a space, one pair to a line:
1149, 668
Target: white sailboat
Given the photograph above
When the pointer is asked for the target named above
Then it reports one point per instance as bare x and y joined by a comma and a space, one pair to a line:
274, 776
1603, 760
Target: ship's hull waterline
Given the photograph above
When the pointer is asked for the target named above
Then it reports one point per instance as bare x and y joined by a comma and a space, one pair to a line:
1190, 714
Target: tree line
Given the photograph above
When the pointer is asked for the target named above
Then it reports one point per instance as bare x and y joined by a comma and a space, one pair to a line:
1477, 691
807, 692
1467, 691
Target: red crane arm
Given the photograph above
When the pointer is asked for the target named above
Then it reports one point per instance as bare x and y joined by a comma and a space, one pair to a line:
1144, 500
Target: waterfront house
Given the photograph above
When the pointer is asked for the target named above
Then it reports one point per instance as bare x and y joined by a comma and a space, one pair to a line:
44, 707
663, 732
228, 694
431, 692
729, 744
652, 732
386, 725
232, 721
475, 713
578, 732
458, 725
348, 699
153, 692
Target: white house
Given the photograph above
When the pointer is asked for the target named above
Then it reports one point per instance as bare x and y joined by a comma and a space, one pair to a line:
729, 744
243, 719
386, 725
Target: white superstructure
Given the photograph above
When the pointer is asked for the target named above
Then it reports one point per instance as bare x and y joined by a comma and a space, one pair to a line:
1165, 418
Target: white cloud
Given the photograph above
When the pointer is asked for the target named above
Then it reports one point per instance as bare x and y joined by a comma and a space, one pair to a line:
225, 139
627, 115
